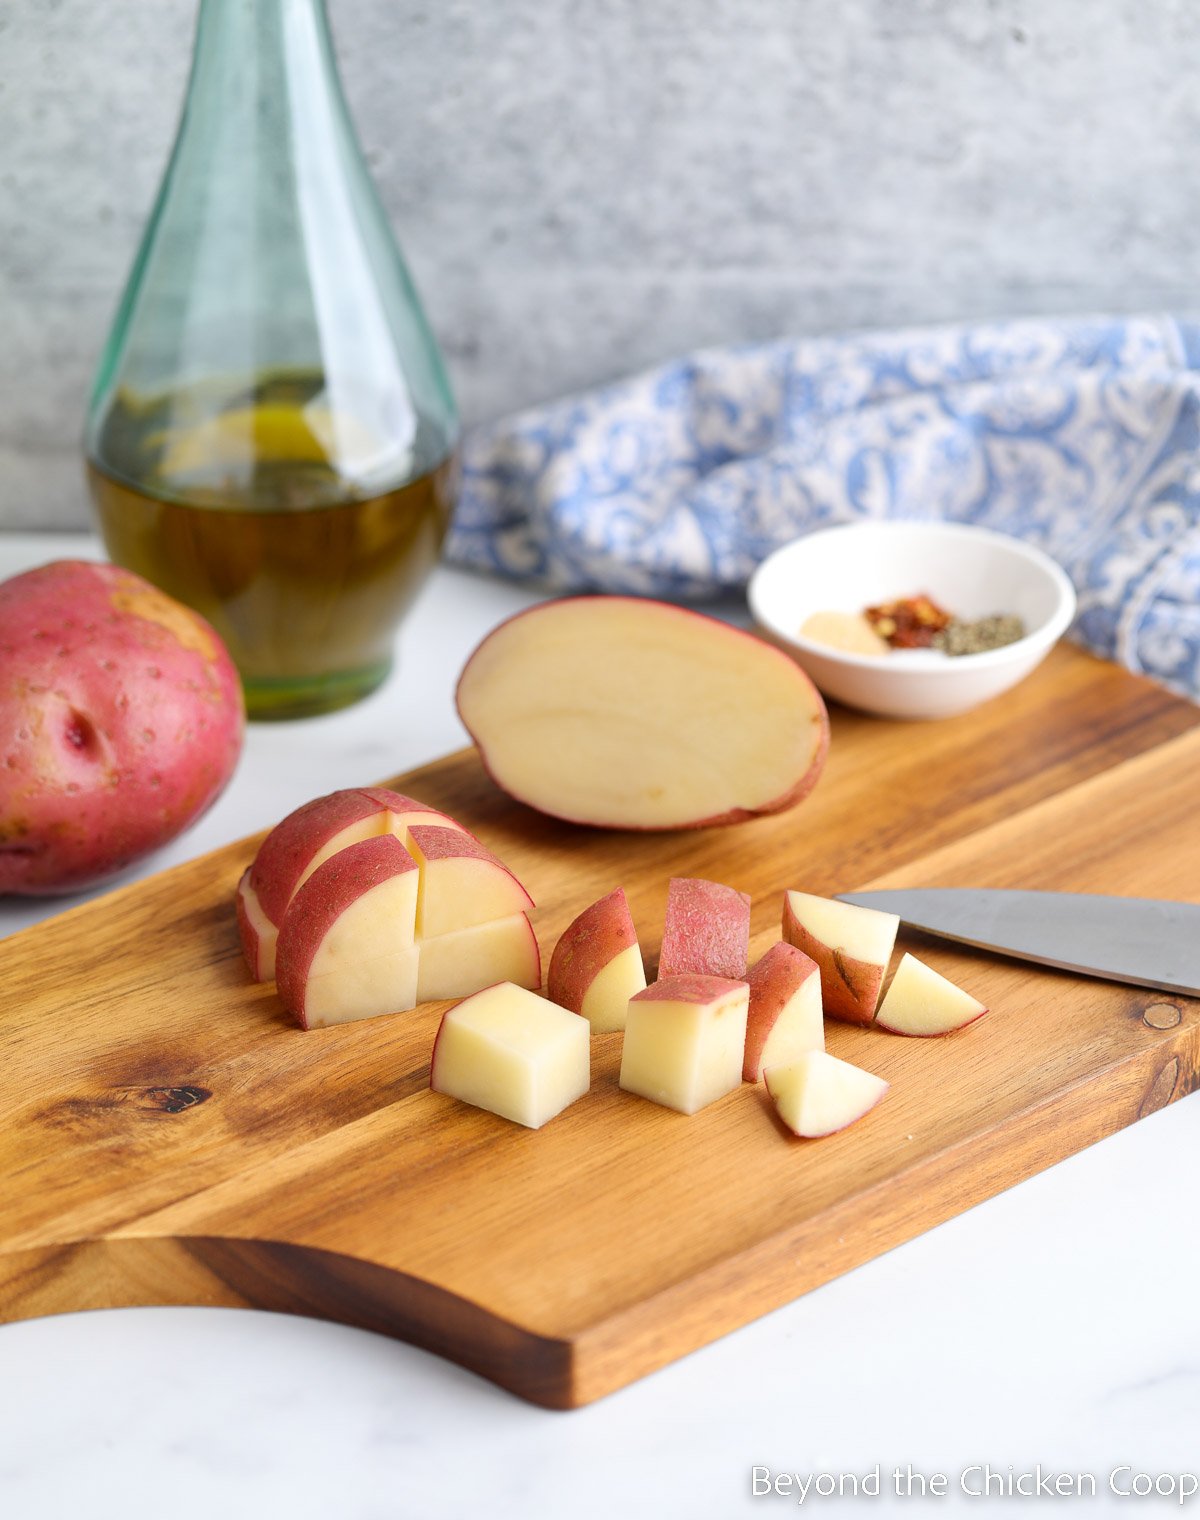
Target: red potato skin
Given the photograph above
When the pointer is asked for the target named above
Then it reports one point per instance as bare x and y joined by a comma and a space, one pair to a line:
707, 930
781, 804
849, 987
397, 802
597, 936
287, 851
320, 902
440, 843
774, 980
688, 989
121, 721
437, 844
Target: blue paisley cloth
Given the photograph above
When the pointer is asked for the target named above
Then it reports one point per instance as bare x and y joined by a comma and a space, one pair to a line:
1081, 436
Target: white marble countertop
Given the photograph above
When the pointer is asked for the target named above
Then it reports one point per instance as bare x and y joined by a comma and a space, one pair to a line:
1057, 1324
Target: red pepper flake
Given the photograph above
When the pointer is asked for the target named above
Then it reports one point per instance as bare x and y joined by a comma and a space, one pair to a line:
908, 623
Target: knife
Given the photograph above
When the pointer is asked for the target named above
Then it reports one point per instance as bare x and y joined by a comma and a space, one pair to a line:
1144, 940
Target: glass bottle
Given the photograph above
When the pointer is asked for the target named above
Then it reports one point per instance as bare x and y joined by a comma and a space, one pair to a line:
271, 434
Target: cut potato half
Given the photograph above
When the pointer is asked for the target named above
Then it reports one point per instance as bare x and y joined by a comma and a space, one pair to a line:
623, 713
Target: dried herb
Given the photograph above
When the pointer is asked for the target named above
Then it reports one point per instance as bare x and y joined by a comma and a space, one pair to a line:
984, 633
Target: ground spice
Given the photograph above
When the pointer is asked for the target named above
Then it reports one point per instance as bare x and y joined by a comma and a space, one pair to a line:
911, 622
983, 633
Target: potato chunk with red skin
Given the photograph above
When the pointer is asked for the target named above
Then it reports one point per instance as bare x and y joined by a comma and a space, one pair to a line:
786, 1018
685, 1038
347, 947
851, 945
707, 930
597, 964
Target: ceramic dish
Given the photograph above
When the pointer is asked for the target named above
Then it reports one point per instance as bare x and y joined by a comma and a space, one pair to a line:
972, 572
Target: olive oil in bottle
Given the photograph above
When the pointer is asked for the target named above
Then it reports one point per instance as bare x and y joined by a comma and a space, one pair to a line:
235, 505
271, 435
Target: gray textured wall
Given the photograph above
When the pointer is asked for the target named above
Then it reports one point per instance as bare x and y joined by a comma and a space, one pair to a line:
585, 186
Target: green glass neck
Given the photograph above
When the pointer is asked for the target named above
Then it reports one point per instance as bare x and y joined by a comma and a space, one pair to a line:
268, 260
254, 56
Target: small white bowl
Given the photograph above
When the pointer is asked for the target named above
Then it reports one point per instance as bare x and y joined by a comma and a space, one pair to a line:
972, 572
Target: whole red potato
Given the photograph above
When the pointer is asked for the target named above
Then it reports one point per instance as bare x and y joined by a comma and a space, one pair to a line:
121, 720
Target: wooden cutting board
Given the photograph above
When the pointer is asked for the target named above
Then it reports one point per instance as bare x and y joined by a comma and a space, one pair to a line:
166, 1136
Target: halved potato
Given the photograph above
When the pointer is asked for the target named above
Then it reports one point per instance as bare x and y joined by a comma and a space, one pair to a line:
636, 714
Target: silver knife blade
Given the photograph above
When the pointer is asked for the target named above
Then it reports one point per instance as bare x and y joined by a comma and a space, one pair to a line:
1144, 940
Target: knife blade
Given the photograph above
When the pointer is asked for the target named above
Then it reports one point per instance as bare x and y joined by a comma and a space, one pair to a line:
1148, 941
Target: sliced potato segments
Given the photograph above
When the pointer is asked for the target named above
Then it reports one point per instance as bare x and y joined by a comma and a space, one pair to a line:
456, 964
389, 903
382, 903
818, 1094
302, 842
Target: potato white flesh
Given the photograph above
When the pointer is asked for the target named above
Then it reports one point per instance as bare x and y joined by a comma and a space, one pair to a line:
866, 934
800, 1028
362, 990
921, 1001
382, 918
259, 935
606, 1002
467, 960
625, 713
462, 882
818, 1094
513, 1053
684, 1041
358, 911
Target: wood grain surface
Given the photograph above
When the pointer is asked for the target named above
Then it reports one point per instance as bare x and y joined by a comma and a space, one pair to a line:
166, 1136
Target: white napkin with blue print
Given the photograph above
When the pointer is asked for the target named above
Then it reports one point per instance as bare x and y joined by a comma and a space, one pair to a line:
1081, 436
